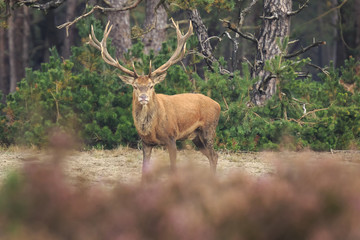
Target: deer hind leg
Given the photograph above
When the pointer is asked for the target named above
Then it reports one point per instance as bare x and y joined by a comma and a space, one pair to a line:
205, 142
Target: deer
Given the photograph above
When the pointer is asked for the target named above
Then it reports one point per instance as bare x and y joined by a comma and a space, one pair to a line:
163, 119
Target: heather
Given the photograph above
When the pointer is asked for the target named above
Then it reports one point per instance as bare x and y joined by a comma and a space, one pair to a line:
305, 197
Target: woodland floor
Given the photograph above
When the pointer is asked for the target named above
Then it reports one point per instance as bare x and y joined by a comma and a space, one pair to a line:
108, 167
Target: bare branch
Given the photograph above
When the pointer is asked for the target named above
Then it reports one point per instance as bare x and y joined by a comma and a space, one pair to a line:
347, 86
293, 41
137, 32
236, 46
221, 69
302, 74
244, 12
260, 117
235, 43
232, 39
67, 25
272, 17
303, 50
203, 37
209, 38
292, 13
269, 77
313, 111
327, 12
306, 114
326, 72
247, 36
247, 60
42, 6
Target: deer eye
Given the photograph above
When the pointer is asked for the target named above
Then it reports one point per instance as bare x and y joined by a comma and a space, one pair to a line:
151, 86
135, 87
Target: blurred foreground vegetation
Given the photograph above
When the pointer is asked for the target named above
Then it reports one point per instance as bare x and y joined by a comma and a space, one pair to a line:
304, 198
83, 96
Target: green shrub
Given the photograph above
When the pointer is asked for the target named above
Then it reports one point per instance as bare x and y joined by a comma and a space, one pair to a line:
84, 96
331, 120
88, 104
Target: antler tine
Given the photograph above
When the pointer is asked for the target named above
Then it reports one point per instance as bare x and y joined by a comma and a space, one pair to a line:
150, 69
104, 52
178, 32
106, 34
93, 40
133, 66
180, 50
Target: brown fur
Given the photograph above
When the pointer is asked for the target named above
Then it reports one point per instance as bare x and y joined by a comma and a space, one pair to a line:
166, 119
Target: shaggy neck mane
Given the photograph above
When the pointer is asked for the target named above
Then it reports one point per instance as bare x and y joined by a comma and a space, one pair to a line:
144, 115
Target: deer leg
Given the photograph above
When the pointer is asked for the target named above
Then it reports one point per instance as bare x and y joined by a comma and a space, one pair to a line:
172, 154
205, 143
146, 158
213, 159
200, 145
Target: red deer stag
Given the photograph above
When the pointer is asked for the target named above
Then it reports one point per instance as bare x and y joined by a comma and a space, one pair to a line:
161, 119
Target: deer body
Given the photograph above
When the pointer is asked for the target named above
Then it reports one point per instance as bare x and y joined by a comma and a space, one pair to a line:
164, 119
174, 117
161, 119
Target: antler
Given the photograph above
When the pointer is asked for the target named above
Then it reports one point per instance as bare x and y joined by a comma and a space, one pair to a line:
104, 52
179, 52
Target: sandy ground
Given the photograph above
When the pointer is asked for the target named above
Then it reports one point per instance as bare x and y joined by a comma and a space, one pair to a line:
124, 164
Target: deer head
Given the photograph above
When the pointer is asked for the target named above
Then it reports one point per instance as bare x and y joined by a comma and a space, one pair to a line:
143, 86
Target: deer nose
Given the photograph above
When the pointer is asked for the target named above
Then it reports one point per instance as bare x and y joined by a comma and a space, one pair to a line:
143, 99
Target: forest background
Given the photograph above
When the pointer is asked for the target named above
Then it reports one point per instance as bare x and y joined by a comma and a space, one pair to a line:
304, 94
285, 72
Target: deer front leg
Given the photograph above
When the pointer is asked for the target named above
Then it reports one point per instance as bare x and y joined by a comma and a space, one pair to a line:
171, 146
146, 158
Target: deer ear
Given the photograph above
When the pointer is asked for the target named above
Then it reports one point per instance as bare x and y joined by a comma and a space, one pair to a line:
159, 79
127, 79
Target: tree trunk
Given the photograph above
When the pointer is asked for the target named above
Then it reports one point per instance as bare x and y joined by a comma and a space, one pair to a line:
335, 24
276, 24
4, 88
69, 39
357, 23
12, 51
157, 20
347, 31
120, 34
323, 55
25, 39
202, 35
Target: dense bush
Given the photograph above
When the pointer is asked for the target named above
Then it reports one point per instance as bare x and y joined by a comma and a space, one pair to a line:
307, 200
92, 105
83, 95
331, 121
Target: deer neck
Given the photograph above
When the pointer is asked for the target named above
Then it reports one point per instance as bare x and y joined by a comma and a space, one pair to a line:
144, 115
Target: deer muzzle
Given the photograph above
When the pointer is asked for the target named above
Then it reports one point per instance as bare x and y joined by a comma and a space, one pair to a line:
143, 99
